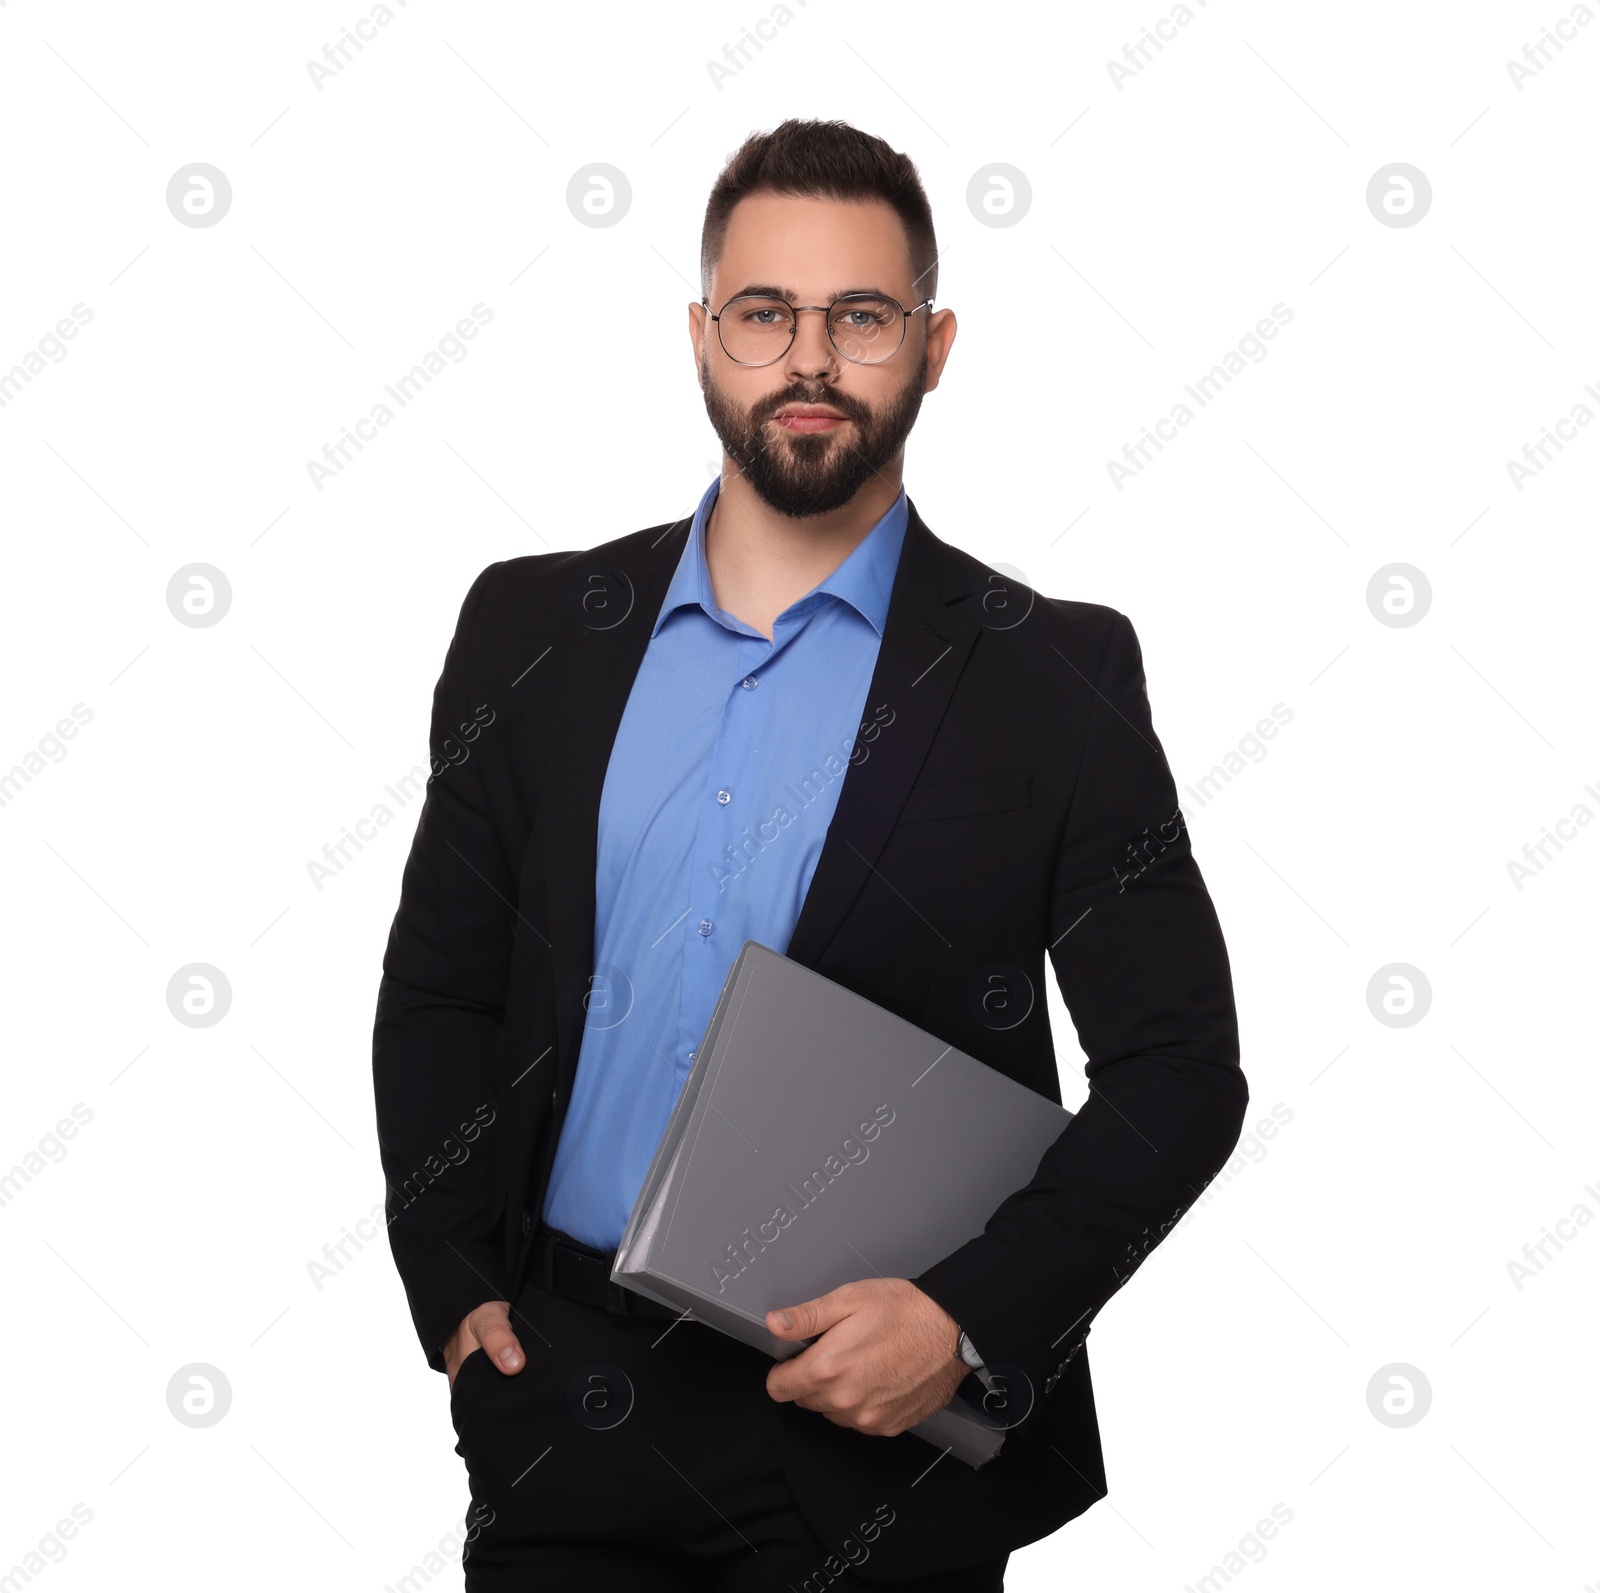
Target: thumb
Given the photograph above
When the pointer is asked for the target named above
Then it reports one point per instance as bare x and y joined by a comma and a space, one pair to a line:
807, 1319
491, 1326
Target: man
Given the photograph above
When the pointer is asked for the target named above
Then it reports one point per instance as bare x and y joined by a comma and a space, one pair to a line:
799, 718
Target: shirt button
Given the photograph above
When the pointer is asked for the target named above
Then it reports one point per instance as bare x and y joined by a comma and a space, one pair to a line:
724, 797
749, 682
705, 926
693, 1055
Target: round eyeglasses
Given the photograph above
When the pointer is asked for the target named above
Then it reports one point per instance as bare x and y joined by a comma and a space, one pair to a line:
864, 328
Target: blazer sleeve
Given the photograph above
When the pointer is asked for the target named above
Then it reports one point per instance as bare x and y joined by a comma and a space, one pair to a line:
441, 1004
1139, 956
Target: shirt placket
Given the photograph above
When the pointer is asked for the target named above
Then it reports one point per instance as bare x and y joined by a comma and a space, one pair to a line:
728, 807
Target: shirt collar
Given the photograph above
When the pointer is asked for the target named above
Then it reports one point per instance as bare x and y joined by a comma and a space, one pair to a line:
864, 580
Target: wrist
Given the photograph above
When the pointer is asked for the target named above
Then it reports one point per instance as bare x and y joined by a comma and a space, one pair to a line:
965, 1351
967, 1354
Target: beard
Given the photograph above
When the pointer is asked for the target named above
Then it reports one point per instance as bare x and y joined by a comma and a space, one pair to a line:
806, 474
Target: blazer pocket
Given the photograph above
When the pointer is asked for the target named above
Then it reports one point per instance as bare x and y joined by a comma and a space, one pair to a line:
966, 798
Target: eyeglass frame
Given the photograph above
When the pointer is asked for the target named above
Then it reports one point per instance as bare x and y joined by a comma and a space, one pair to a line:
795, 312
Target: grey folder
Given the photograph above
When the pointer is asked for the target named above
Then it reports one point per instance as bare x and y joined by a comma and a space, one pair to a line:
820, 1139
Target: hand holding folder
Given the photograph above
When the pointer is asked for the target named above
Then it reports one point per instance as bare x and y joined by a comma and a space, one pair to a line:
820, 1139
883, 1356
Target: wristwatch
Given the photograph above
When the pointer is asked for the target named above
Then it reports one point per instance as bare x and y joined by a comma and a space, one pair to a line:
968, 1355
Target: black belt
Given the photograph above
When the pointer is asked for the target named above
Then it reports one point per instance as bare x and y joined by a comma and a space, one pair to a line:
566, 1266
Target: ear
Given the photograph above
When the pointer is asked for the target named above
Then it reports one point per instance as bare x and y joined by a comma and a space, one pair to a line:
941, 334
699, 326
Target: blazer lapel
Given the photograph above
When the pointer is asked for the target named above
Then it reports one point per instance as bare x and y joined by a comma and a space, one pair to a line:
927, 638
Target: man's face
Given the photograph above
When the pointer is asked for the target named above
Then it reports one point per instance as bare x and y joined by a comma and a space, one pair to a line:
811, 429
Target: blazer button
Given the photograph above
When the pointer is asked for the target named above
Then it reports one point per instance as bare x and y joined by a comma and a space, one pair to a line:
527, 1223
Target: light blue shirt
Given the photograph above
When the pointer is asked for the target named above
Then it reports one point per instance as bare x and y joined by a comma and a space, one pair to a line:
722, 782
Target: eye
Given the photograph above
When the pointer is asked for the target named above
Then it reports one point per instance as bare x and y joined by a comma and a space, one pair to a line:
864, 315
761, 314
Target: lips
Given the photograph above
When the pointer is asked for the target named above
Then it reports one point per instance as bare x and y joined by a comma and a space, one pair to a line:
808, 417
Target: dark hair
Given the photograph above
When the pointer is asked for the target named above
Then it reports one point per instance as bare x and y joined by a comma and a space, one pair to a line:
831, 160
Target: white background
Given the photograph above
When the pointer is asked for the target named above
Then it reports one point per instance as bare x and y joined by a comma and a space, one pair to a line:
1168, 216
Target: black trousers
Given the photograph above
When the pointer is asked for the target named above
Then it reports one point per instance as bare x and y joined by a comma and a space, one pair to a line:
636, 1454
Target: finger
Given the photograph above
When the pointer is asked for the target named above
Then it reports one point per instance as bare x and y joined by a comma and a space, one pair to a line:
491, 1324
787, 1383
457, 1347
810, 1379
810, 1317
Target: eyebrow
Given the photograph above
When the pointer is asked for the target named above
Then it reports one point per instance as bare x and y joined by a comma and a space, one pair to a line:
789, 296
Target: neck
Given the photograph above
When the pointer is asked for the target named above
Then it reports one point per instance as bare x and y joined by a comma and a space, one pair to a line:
761, 561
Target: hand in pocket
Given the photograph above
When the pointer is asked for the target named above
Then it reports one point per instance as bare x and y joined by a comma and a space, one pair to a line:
489, 1329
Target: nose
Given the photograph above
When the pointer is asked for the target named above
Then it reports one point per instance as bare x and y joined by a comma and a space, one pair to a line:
812, 355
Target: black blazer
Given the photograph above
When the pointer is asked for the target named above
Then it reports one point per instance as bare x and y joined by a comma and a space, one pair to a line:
1008, 798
